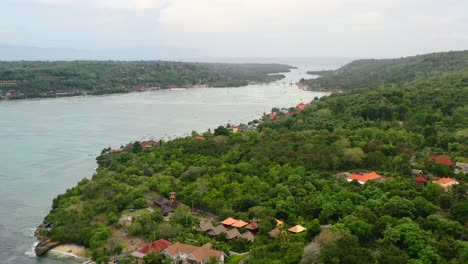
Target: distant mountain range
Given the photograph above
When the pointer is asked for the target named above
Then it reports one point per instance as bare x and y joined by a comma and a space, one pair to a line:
17, 52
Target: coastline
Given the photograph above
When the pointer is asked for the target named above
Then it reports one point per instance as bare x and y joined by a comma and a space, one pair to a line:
67, 249
71, 250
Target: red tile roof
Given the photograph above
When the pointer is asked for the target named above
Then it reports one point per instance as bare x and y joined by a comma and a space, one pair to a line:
444, 161
273, 116
301, 106
200, 138
158, 245
420, 179
252, 226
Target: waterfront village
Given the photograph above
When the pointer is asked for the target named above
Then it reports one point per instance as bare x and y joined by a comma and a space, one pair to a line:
239, 231
12, 93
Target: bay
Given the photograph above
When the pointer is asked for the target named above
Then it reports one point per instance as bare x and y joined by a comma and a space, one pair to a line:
48, 145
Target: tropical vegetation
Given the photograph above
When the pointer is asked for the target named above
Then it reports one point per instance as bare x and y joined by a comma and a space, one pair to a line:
289, 169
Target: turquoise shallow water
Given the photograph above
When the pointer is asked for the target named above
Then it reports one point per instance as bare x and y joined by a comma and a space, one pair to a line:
48, 145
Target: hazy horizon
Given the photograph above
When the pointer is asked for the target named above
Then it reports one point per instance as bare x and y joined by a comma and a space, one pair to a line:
238, 28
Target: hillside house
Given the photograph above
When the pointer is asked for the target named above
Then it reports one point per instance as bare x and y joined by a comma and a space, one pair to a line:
274, 116
158, 246
274, 233
229, 221
239, 224
149, 144
188, 254
167, 206
363, 178
443, 160
218, 230
301, 107
248, 236
420, 181
446, 183
232, 233
297, 229
252, 226
279, 222
205, 226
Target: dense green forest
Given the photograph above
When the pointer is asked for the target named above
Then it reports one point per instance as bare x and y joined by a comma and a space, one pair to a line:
373, 72
289, 169
28, 79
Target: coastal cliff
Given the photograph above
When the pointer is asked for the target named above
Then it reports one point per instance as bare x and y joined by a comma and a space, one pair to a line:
45, 244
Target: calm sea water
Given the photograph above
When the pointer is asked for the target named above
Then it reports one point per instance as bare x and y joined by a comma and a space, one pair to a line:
48, 145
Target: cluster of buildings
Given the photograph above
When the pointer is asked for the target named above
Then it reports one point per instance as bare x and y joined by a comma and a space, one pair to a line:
445, 182
275, 116
230, 227
276, 231
143, 144
9, 81
181, 253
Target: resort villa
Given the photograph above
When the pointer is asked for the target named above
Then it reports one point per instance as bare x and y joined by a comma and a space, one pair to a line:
363, 178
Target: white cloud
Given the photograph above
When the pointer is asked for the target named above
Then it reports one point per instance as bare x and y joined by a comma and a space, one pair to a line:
114, 4
245, 27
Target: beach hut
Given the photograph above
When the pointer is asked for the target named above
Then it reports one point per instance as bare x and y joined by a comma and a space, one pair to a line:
248, 236
232, 233
229, 221
297, 229
217, 230
206, 226
239, 224
274, 233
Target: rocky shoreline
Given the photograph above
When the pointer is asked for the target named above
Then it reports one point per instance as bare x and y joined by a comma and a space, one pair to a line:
45, 244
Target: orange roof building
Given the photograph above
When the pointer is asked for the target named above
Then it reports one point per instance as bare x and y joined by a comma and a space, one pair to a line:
446, 183
239, 224
279, 222
200, 138
229, 221
363, 178
297, 229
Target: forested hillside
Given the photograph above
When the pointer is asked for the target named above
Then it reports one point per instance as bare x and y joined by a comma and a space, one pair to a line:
290, 169
28, 79
373, 72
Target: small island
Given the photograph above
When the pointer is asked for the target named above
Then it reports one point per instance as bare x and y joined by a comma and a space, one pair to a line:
31, 79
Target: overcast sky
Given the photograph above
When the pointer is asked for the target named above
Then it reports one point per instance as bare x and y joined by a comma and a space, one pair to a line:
259, 28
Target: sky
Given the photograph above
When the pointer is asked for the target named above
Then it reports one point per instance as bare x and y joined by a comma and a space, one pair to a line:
241, 28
